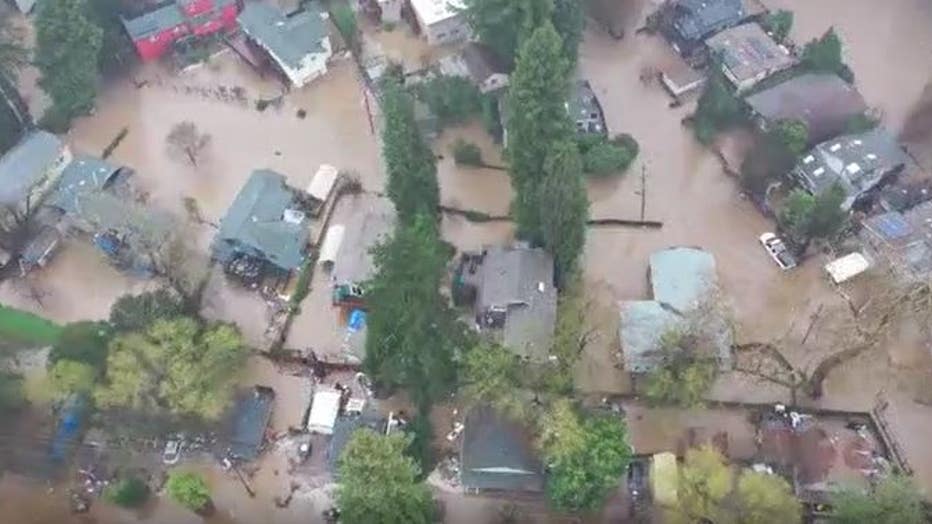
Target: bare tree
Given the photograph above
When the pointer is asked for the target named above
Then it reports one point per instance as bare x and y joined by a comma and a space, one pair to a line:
185, 138
184, 270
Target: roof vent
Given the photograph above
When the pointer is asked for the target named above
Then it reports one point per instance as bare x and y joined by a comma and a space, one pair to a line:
541, 287
293, 216
835, 147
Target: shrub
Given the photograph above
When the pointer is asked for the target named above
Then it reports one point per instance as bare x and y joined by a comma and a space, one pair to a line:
189, 490
84, 341
466, 153
608, 158
129, 492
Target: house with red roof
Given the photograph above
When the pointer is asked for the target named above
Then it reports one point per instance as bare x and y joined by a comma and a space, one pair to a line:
154, 32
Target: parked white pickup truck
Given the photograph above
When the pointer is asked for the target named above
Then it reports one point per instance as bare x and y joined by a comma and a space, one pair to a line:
778, 251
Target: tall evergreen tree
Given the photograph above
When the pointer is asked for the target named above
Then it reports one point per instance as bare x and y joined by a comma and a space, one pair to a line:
412, 170
411, 330
537, 115
67, 49
562, 208
569, 20
504, 24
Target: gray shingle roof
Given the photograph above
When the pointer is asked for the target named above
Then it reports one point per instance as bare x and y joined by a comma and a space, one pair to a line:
250, 418
747, 51
84, 175
154, 22
290, 39
23, 166
696, 19
497, 454
825, 102
255, 224
371, 225
856, 162
519, 280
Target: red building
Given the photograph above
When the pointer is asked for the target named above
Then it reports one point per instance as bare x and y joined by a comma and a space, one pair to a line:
154, 32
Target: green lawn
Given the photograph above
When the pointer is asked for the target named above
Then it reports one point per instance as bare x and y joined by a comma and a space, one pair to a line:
22, 328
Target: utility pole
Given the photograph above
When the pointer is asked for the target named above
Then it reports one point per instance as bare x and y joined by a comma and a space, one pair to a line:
643, 191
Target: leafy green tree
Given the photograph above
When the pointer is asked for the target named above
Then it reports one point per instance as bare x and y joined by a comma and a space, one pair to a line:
861, 123
805, 217
189, 490
504, 25
452, 99
894, 500
412, 333
685, 375
793, 134
705, 482
128, 492
138, 312
68, 376
116, 48
717, 109
466, 153
84, 341
536, 108
345, 20
11, 391
779, 23
378, 483
67, 49
768, 161
607, 158
491, 375
562, 434
569, 20
175, 364
824, 55
412, 171
14, 114
766, 499
586, 461
562, 209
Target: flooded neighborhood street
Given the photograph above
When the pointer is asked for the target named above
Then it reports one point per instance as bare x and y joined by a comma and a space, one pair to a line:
887, 44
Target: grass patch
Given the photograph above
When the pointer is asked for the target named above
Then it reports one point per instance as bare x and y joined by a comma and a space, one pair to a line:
20, 327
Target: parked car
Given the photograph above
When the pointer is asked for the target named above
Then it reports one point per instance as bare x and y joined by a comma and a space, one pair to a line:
778, 251
172, 452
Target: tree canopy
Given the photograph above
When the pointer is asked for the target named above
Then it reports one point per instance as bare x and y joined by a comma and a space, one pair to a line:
12, 395
378, 482
895, 500
188, 489
766, 499
412, 332
824, 53
85, 341
128, 492
412, 171
67, 49
586, 456
705, 481
685, 375
491, 375
138, 312
69, 376
793, 134
177, 365
717, 108
504, 25
779, 23
453, 99
805, 217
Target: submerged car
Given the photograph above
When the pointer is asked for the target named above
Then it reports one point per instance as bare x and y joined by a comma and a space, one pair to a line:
172, 452
778, 251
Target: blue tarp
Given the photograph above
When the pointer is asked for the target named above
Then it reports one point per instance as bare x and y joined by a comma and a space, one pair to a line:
357, 321
69, 427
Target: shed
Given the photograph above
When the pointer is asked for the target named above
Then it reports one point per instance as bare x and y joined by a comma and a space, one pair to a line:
323, 182
324, 410
497, 455
847, 267
664, 478
331, 246
251, 416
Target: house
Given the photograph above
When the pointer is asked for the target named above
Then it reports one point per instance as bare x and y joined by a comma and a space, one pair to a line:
857, 163
479, 64
748, 55
683, 282
822, 100
516, 299
585, 110
251, 416
497, 455
28, 173
369, 225
84, 175
902, 238
441, 21
692, 21
266, 223
343, 430
154, 32
299, 43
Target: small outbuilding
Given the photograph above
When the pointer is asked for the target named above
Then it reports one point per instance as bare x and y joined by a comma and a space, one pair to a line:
497, 455
441, 21
323, 183
847, 267
325, 407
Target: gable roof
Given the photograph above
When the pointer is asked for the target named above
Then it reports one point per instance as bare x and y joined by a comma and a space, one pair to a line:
154, 22
642, 324
747, 52
257, 219
682, 276
26, 163
695, 19
497, 454
84, 175
251, 416
823, 101
856, 161
519, 280
288, 38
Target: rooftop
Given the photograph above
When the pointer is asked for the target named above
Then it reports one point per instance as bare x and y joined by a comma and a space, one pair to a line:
84, 175
517, 282
695, 19
154, 22
823, 101
583, 106
288, 38
432, 11
369, 226
905, 237
682, 277
748, 52
26, 163
497, 454
251, 417
263, 219
476, 62
642, 324
343, 430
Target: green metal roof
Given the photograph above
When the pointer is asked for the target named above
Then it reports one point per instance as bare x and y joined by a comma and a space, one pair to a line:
256, 223
682, 276
289, 39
